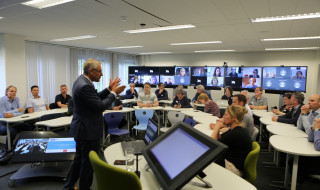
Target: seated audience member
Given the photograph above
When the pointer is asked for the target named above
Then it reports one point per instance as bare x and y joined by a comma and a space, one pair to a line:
147, 98
131, 93
287, 106
237, 139
245, 93
292, 117
63, 98
161, 93
309, 165
180, 100
200, 89
257, 101
10, 107
185, 93
309, 113
210, 106
228, 91
36, 103
241, 100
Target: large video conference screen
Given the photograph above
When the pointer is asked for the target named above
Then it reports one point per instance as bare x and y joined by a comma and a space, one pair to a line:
284, 78
279, 79
251, 77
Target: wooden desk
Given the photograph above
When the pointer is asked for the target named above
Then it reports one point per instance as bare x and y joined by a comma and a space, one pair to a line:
220, 178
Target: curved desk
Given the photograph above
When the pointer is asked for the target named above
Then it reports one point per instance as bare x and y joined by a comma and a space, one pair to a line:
216, 175
58, 122
289, 131
204, 128
205, 119
296, 147
196, 113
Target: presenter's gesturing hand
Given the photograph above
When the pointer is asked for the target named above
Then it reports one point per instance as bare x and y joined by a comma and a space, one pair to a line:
114, 86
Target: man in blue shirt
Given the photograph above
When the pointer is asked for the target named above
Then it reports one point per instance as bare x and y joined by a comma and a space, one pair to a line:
10, 107
200, 89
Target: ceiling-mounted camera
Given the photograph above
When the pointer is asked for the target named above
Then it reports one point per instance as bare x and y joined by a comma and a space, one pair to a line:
142, 24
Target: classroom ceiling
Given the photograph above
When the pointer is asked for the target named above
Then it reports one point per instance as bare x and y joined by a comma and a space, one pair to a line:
215, 20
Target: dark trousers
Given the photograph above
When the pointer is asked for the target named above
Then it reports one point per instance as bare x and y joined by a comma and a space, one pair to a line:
14, 130
81, 167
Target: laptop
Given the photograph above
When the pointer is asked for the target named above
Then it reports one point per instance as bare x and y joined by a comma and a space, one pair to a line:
138, 145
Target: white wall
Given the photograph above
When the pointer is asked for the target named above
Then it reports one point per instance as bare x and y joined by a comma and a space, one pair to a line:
292, 58
12, 53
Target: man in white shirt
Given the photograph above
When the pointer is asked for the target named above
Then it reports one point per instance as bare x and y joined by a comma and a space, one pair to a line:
309, 113
36, 103
245, 93
147, 98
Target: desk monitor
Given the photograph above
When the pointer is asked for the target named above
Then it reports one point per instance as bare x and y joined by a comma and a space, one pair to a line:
44, 146
180, 154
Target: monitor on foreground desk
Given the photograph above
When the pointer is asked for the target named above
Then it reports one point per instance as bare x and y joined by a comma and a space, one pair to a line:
180, 154
43, 146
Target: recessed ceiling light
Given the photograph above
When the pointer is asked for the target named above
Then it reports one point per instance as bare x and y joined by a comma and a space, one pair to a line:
303, 48
40, 4
124, 47
221, 50
287, 17
194, 43
149, 53
294, 38
160, 29
1, 17
73, 38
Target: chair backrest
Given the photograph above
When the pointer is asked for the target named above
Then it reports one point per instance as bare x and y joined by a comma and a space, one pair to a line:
190, 121
113, 119
143, 115
175, 117
113, 178
250, 164
254, 134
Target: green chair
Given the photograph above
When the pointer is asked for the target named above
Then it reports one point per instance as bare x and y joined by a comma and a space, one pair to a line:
113, 178
250, 164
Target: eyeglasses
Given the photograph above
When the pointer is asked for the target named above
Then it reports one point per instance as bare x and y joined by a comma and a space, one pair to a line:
99, 71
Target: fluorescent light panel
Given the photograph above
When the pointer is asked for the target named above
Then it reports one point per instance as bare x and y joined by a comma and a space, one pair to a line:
293, 38
150, 53
40, 4
73, 38
287, 17
221, 50
160, 29
195, 43
303, 48
1, 17
124, 47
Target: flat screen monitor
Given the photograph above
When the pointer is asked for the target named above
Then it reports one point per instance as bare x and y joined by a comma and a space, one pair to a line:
182, 76
198, 76
285, 78
215, 76
233, 77
167, 76
141, 74
251, 77
180, 154
44, 146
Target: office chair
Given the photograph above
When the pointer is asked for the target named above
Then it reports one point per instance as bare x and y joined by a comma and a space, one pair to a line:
113, 121
254, 134
190, 121
250, 164
142, 116
174, 117
113, 178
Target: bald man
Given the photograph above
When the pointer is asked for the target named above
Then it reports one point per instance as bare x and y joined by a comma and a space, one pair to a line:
309, 113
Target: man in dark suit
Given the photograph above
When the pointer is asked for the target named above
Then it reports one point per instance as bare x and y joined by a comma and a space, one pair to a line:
87, 122
292, 117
